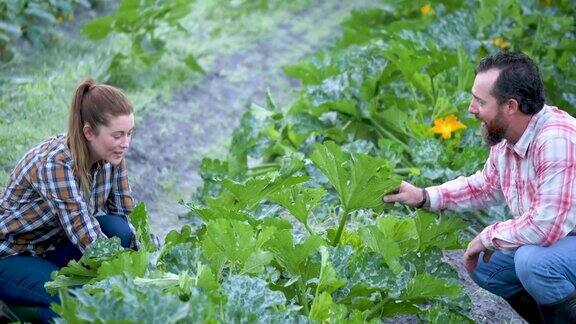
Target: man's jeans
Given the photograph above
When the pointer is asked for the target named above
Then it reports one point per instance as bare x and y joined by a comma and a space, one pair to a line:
22, 277
547, 273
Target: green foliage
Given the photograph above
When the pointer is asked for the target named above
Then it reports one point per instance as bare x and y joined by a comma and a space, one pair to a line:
139, 220
360, 179
146, 24
35, 21
299, 201
361, 119
119, 300
250, 300
235, 243
86, 269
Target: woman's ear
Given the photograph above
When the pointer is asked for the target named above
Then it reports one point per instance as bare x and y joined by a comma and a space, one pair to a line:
89, 132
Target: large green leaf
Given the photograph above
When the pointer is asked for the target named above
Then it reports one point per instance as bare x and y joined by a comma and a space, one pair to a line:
225, 206
367, 271
320, 310
328, 280
289, 255
251, 301
441, 232
85, 270
134, 263
139, 219
251, 192
237, 243
400, 230
359, 179
299, 201
101, 250
257, 261
182, 257
388, 248
120, 301
425, 287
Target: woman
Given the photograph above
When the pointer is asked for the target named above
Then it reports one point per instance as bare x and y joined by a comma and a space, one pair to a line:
65, 193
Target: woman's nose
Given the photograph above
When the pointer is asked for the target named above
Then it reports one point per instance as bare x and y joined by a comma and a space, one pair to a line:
125, 142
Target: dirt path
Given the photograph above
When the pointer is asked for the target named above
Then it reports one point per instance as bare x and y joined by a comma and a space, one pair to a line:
198, 121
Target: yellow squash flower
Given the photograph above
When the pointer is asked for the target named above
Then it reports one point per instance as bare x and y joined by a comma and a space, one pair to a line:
446, 126
426, 10
501, 42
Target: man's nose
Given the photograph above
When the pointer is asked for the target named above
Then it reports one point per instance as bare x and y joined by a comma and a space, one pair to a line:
472, 108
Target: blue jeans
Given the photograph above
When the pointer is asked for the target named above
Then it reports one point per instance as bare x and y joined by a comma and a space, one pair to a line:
546, 273
22, 277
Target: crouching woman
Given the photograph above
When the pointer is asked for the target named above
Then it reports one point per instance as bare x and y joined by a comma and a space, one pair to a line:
65, 193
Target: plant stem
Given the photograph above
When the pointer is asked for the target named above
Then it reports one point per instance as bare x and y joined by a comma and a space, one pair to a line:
433, 89
388, 135
265, 166
402, 171
261, 171
341, 225
377, 308
308, 229
302, 297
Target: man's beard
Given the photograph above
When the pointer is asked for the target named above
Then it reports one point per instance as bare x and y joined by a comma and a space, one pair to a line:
493, 132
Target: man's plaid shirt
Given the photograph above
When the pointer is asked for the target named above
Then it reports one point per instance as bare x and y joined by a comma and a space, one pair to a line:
534, 177
43, 203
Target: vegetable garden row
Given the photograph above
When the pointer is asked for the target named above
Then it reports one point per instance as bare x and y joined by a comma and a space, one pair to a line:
294, 229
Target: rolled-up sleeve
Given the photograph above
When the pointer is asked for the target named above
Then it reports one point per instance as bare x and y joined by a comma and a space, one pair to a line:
469, 193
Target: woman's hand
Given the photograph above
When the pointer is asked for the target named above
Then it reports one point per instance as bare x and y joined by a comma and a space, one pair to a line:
407, 194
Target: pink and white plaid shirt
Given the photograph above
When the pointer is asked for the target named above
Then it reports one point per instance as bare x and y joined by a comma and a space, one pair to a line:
534, 177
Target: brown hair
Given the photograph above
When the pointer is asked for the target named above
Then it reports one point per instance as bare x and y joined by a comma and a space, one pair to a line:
92, 104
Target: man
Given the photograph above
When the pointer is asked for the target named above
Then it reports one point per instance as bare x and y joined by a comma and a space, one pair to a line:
529, 260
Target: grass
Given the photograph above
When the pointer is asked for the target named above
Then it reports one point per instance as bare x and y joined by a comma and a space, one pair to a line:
36, 87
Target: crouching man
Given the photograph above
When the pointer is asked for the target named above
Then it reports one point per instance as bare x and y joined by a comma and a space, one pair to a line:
529, 260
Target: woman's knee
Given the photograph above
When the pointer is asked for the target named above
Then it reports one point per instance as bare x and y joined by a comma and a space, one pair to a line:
22, 280
116, 226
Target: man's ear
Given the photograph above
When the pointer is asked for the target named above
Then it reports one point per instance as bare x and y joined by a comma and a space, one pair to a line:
89, 132
513, 106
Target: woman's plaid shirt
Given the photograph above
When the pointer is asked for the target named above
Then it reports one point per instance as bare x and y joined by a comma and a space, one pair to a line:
43, 204
534, 177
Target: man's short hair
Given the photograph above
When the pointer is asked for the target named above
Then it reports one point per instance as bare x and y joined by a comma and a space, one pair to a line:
519, 79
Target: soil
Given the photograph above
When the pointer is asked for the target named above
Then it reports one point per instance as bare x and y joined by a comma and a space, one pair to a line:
197, 121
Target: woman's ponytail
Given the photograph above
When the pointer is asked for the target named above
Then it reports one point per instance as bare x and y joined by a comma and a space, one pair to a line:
92, 104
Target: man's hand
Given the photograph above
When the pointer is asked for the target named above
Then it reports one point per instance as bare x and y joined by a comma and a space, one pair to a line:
407, 194
470, 258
